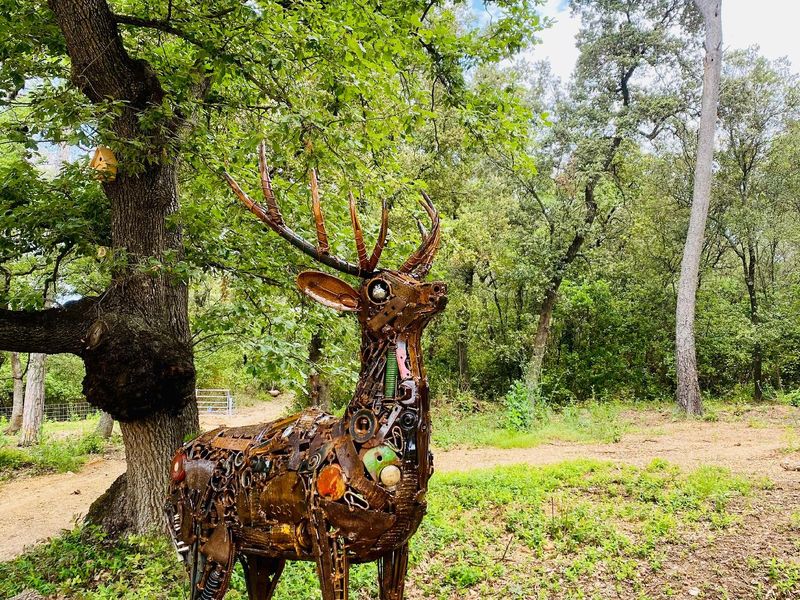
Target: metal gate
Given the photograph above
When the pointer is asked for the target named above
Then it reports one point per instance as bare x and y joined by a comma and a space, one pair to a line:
215, 401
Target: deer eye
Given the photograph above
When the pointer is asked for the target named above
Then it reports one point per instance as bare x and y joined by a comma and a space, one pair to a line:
379, 291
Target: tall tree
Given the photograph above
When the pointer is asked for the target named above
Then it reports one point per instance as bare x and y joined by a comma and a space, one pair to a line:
18, 395
759, 100
688, 388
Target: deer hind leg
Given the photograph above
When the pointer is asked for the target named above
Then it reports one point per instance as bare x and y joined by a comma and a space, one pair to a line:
333, 568
392, 573
261, 574
213, 565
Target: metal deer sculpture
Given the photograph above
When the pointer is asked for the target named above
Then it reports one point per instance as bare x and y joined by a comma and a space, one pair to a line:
313, 486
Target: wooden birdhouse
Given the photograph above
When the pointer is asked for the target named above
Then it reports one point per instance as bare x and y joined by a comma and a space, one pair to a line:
105, 163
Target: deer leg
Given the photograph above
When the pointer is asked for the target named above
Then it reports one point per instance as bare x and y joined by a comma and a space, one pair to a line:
392, 573
211, 572
261, 574
333, 568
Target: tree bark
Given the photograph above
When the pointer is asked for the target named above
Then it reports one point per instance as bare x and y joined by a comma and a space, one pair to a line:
150, 444
534, 373
15, 421
318, 390
462, 339
33, 411
749, 266
688, 387
105, 426
135, 343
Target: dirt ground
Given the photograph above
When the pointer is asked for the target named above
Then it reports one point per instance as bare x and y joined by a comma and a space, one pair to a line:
34, 509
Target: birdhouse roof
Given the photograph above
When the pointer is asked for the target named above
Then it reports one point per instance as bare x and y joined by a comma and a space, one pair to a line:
103, 154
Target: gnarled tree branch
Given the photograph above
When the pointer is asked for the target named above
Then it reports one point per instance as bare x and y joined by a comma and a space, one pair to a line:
50, 331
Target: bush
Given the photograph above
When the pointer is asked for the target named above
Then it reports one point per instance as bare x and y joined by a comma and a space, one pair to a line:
60, 455
518, 409
792, 398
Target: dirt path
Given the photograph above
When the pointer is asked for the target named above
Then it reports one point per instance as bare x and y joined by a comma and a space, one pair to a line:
744, 449
37, 508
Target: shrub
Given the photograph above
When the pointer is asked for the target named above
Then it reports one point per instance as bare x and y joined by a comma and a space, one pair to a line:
518, 409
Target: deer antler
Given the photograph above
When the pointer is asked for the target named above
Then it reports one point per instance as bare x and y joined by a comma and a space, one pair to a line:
420, 262
271, 215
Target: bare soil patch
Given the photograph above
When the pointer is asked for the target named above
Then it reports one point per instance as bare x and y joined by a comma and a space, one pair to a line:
739, 446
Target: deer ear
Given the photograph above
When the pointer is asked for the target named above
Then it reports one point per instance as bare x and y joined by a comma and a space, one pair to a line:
329, 291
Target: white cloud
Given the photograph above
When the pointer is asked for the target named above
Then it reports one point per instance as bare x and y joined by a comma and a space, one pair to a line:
770, 24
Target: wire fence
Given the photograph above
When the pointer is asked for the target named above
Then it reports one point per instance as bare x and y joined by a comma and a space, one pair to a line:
76, 411
209, 401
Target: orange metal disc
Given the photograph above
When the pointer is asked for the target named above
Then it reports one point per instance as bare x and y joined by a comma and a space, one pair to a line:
330, 483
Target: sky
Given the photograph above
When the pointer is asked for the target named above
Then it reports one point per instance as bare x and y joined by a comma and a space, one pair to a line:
771, 24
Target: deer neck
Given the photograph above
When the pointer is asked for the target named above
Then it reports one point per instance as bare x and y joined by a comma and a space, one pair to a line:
391, 399
377, 355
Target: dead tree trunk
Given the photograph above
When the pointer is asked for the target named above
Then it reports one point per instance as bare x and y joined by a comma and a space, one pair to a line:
15, 421
33, 411
688, 388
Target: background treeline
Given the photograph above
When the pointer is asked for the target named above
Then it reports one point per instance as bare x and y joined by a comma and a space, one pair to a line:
565, 206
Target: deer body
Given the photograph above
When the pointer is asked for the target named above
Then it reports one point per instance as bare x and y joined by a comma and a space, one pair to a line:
313, 486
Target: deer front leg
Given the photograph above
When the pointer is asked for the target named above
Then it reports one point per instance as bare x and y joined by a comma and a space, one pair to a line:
333, 568
392, 570
261, 574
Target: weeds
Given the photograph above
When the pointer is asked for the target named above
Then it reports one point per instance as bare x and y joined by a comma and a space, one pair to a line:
50, 455
587, 422
514, 532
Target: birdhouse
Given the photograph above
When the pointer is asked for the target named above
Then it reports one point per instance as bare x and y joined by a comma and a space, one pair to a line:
105, 163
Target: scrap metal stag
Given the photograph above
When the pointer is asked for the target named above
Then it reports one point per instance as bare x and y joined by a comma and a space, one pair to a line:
313, 486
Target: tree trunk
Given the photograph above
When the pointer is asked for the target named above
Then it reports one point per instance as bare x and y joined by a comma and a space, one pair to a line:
105, 425
33, 411
534, 372
688, 388
462, 339
150, 444
318, 390
749, 266
15, 422
135, 343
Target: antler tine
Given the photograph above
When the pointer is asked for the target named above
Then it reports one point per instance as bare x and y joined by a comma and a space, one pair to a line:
381, 242
359, 235
319, 221
272, 217
266, 187
420, 262
252, 205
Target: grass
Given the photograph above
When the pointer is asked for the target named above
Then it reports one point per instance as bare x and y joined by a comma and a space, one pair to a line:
567, 530
65, 446
587, 422
475, 424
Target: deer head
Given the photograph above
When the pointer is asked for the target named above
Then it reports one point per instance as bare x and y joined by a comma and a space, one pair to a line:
388, 301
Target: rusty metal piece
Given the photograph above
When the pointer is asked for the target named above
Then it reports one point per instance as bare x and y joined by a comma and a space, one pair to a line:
319, 221
312, 486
